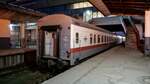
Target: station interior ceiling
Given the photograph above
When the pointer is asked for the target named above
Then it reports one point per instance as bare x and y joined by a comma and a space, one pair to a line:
116, 7
40, 5
132, 7
125, 7
135, 7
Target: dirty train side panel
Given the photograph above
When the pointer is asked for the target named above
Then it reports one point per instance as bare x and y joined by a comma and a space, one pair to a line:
84, 48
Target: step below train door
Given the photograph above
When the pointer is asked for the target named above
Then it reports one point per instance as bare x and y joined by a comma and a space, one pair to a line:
51, 42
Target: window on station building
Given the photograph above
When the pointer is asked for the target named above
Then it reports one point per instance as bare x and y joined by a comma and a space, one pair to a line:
81, 5
97, 14
77, 37
87, 15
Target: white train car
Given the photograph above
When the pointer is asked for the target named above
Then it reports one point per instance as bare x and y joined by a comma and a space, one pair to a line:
67, 39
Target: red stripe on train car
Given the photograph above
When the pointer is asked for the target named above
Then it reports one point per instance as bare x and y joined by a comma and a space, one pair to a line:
74, 50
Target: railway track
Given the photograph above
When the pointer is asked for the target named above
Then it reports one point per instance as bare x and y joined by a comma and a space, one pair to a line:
29, 75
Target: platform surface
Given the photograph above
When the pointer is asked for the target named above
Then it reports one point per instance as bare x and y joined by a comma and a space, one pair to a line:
116, 66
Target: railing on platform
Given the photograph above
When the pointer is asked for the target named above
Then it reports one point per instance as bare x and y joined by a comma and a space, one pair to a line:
9, 61
14, 57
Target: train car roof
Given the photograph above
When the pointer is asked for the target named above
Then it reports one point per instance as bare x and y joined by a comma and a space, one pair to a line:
65, 21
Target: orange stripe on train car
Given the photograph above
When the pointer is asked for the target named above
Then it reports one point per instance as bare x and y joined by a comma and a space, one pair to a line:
79, 49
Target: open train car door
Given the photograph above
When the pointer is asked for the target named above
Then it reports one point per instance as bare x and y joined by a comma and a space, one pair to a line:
49, 41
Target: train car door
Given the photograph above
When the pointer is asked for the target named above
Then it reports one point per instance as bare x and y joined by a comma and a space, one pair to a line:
51, 42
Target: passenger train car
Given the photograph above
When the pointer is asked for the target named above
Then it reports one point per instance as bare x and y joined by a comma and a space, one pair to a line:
67, 39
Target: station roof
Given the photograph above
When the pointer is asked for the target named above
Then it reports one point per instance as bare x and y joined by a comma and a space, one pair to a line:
29, 9
40, 4
129, 7
114, 24
106, 6
17, 13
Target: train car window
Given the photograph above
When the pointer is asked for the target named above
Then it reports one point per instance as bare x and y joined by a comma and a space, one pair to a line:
91, 39
77, 37
98, 38
105, 38
94, 38
109, 39
102, 39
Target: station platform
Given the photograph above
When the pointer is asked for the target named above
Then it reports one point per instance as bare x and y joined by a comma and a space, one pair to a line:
118, 65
